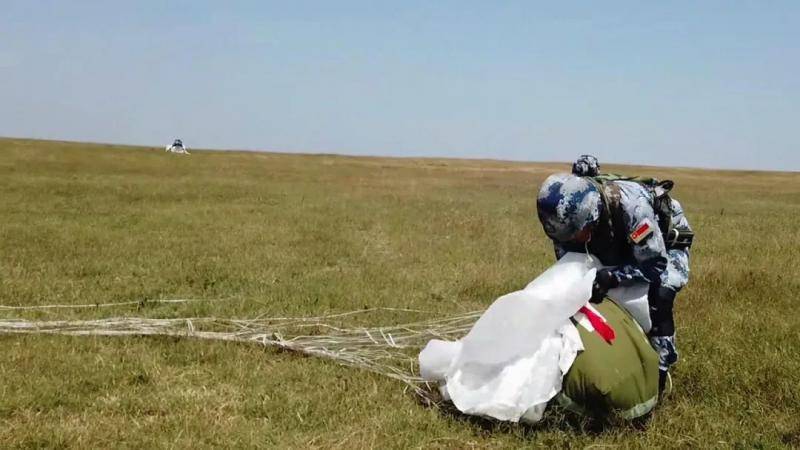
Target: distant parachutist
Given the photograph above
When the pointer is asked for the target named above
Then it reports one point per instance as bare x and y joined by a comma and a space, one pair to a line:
177, 147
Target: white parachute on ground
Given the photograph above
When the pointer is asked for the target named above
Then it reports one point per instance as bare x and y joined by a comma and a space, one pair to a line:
513, 361
506, 362
177, 147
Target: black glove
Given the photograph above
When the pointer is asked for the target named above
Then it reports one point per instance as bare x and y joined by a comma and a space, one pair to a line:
603, 281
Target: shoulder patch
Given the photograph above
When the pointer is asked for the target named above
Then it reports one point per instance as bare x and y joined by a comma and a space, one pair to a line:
641, 231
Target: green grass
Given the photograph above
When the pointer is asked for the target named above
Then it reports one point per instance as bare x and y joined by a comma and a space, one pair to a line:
303, 235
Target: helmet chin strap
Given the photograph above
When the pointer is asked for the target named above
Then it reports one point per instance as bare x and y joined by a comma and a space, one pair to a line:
589, 258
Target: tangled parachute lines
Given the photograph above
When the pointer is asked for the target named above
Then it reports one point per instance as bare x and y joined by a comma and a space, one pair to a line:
387, 350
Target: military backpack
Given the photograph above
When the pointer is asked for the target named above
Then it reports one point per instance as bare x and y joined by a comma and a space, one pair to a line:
674, 236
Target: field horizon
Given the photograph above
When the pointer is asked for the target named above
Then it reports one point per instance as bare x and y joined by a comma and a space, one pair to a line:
299, 234
122, 146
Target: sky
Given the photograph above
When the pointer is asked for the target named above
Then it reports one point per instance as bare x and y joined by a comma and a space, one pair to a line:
698, 84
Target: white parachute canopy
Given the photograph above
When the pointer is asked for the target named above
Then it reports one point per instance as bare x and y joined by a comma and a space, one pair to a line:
512, 361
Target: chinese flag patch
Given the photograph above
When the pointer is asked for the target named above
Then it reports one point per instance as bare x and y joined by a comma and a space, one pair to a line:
642, 230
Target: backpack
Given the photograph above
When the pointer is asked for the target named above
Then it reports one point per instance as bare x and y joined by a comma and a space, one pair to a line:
674, 237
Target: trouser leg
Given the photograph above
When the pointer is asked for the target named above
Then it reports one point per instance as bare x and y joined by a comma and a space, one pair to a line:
662, 334
662, 298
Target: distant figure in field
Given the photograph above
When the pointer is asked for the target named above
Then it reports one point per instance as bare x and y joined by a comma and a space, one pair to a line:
634, 228
177, 147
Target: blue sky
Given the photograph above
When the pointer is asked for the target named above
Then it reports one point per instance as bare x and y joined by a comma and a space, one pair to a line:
710, 84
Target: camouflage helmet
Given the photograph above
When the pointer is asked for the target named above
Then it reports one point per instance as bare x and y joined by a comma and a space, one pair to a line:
586, 166
566, 204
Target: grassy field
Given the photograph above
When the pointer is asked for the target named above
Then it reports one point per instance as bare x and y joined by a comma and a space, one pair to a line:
304, 235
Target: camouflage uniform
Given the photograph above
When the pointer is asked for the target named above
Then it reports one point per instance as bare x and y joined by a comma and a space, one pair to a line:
650, 260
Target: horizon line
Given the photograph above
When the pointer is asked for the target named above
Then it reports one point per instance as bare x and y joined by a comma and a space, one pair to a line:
377, 155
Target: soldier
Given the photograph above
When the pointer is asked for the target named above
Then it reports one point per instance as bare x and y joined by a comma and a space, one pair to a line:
177, 147
621, 222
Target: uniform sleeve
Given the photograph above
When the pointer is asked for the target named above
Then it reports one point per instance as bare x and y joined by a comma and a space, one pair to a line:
629, 274
650, 254
678, 217
677, 273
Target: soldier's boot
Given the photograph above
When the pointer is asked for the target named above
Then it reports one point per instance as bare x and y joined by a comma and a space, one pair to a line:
664, 384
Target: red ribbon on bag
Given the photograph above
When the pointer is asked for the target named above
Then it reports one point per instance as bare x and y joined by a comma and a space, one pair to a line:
599, 324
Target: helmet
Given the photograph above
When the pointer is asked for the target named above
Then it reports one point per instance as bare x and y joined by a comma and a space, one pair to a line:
566, 205
586, 166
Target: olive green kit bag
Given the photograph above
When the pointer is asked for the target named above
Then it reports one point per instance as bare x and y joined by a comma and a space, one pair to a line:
612, 379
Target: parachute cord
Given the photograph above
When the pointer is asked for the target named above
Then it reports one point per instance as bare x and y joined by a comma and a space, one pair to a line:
589, 259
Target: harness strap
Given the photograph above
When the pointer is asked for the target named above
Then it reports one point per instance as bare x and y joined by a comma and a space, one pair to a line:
600, 185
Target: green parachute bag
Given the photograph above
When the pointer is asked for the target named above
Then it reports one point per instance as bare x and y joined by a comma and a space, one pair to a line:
612, 380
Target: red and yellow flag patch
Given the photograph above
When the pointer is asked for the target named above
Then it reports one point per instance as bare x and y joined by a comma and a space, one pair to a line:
642, 230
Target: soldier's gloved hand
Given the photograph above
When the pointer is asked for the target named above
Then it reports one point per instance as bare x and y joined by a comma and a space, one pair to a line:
603, 281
